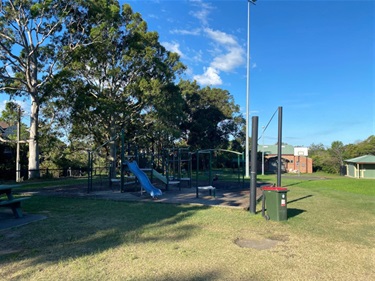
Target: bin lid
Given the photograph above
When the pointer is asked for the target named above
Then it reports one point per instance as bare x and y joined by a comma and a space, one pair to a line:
275, 188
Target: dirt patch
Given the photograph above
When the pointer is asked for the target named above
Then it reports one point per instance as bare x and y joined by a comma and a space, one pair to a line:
279, 237
260, 244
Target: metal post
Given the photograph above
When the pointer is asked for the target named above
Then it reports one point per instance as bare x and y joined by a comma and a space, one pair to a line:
279, 146
238, 168
122, 160
210, 171
247, 164
18, 166
190, 175
248, 88
263, 152
253, 180
196, 188
89, 175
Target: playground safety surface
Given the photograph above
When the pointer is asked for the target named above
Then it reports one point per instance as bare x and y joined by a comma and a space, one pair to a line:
228, 194
223, 198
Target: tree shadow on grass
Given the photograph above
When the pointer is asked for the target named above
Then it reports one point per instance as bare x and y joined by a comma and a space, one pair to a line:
79, 227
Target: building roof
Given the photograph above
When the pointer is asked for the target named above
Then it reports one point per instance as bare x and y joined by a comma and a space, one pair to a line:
6, 129
365, 159
274, 158
3, 125
272, 149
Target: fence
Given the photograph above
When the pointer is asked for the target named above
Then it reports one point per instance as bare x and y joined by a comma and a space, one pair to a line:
10, 174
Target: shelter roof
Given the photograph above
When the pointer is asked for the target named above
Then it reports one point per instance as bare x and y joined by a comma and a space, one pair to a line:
365, 159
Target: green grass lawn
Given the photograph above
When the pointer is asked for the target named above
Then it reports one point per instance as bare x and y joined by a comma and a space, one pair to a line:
329, 235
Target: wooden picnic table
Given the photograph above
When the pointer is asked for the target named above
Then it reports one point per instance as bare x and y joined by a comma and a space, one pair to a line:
10, 201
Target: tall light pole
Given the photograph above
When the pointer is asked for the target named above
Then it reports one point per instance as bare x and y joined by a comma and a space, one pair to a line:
247, 162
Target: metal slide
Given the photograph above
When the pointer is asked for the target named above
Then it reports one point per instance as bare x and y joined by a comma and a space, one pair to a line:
143, 179
159, 176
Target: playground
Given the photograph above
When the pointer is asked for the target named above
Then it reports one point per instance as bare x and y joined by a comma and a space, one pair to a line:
175, 175
187, 215
228, 194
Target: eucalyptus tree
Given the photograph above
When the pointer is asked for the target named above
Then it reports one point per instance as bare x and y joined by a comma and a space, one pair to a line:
212, 118
125, 82
35, 38
367, 146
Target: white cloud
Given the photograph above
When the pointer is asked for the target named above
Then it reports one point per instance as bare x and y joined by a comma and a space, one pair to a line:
221, 37
225, 53
229, 55
2, 105
198, 56
173, 47
209, 77
189, 72
25, 106
194, 32
229, 61
153, 16
203, 12
234, 56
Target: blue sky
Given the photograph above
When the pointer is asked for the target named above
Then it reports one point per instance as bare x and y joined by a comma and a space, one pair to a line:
314, 58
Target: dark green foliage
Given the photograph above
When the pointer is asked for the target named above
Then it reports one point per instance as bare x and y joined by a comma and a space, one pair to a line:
36, 39
97, 70
123, 82
212, 117
331, 159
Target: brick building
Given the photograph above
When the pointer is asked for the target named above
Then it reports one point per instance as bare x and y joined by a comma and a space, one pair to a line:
294, 159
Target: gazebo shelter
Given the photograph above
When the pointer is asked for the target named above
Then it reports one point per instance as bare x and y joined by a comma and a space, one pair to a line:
361, 167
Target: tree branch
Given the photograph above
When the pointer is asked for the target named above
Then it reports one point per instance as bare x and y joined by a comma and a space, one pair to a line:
11, 141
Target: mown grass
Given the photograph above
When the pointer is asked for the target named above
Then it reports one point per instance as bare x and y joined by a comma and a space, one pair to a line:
326, 182
47, 183
328, 236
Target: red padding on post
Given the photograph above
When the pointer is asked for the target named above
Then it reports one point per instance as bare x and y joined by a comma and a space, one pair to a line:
274, 188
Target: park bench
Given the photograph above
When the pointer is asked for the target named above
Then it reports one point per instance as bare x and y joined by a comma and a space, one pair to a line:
113, 181
187, 180
210, 188
10, 201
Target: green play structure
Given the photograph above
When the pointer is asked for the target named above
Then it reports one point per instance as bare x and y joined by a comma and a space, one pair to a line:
210, 152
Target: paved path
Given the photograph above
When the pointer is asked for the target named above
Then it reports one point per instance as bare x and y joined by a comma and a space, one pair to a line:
7, 219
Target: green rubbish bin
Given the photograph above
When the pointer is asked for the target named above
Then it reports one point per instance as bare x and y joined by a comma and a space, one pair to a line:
276, 202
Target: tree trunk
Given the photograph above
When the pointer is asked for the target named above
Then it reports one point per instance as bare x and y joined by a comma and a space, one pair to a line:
34, 171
